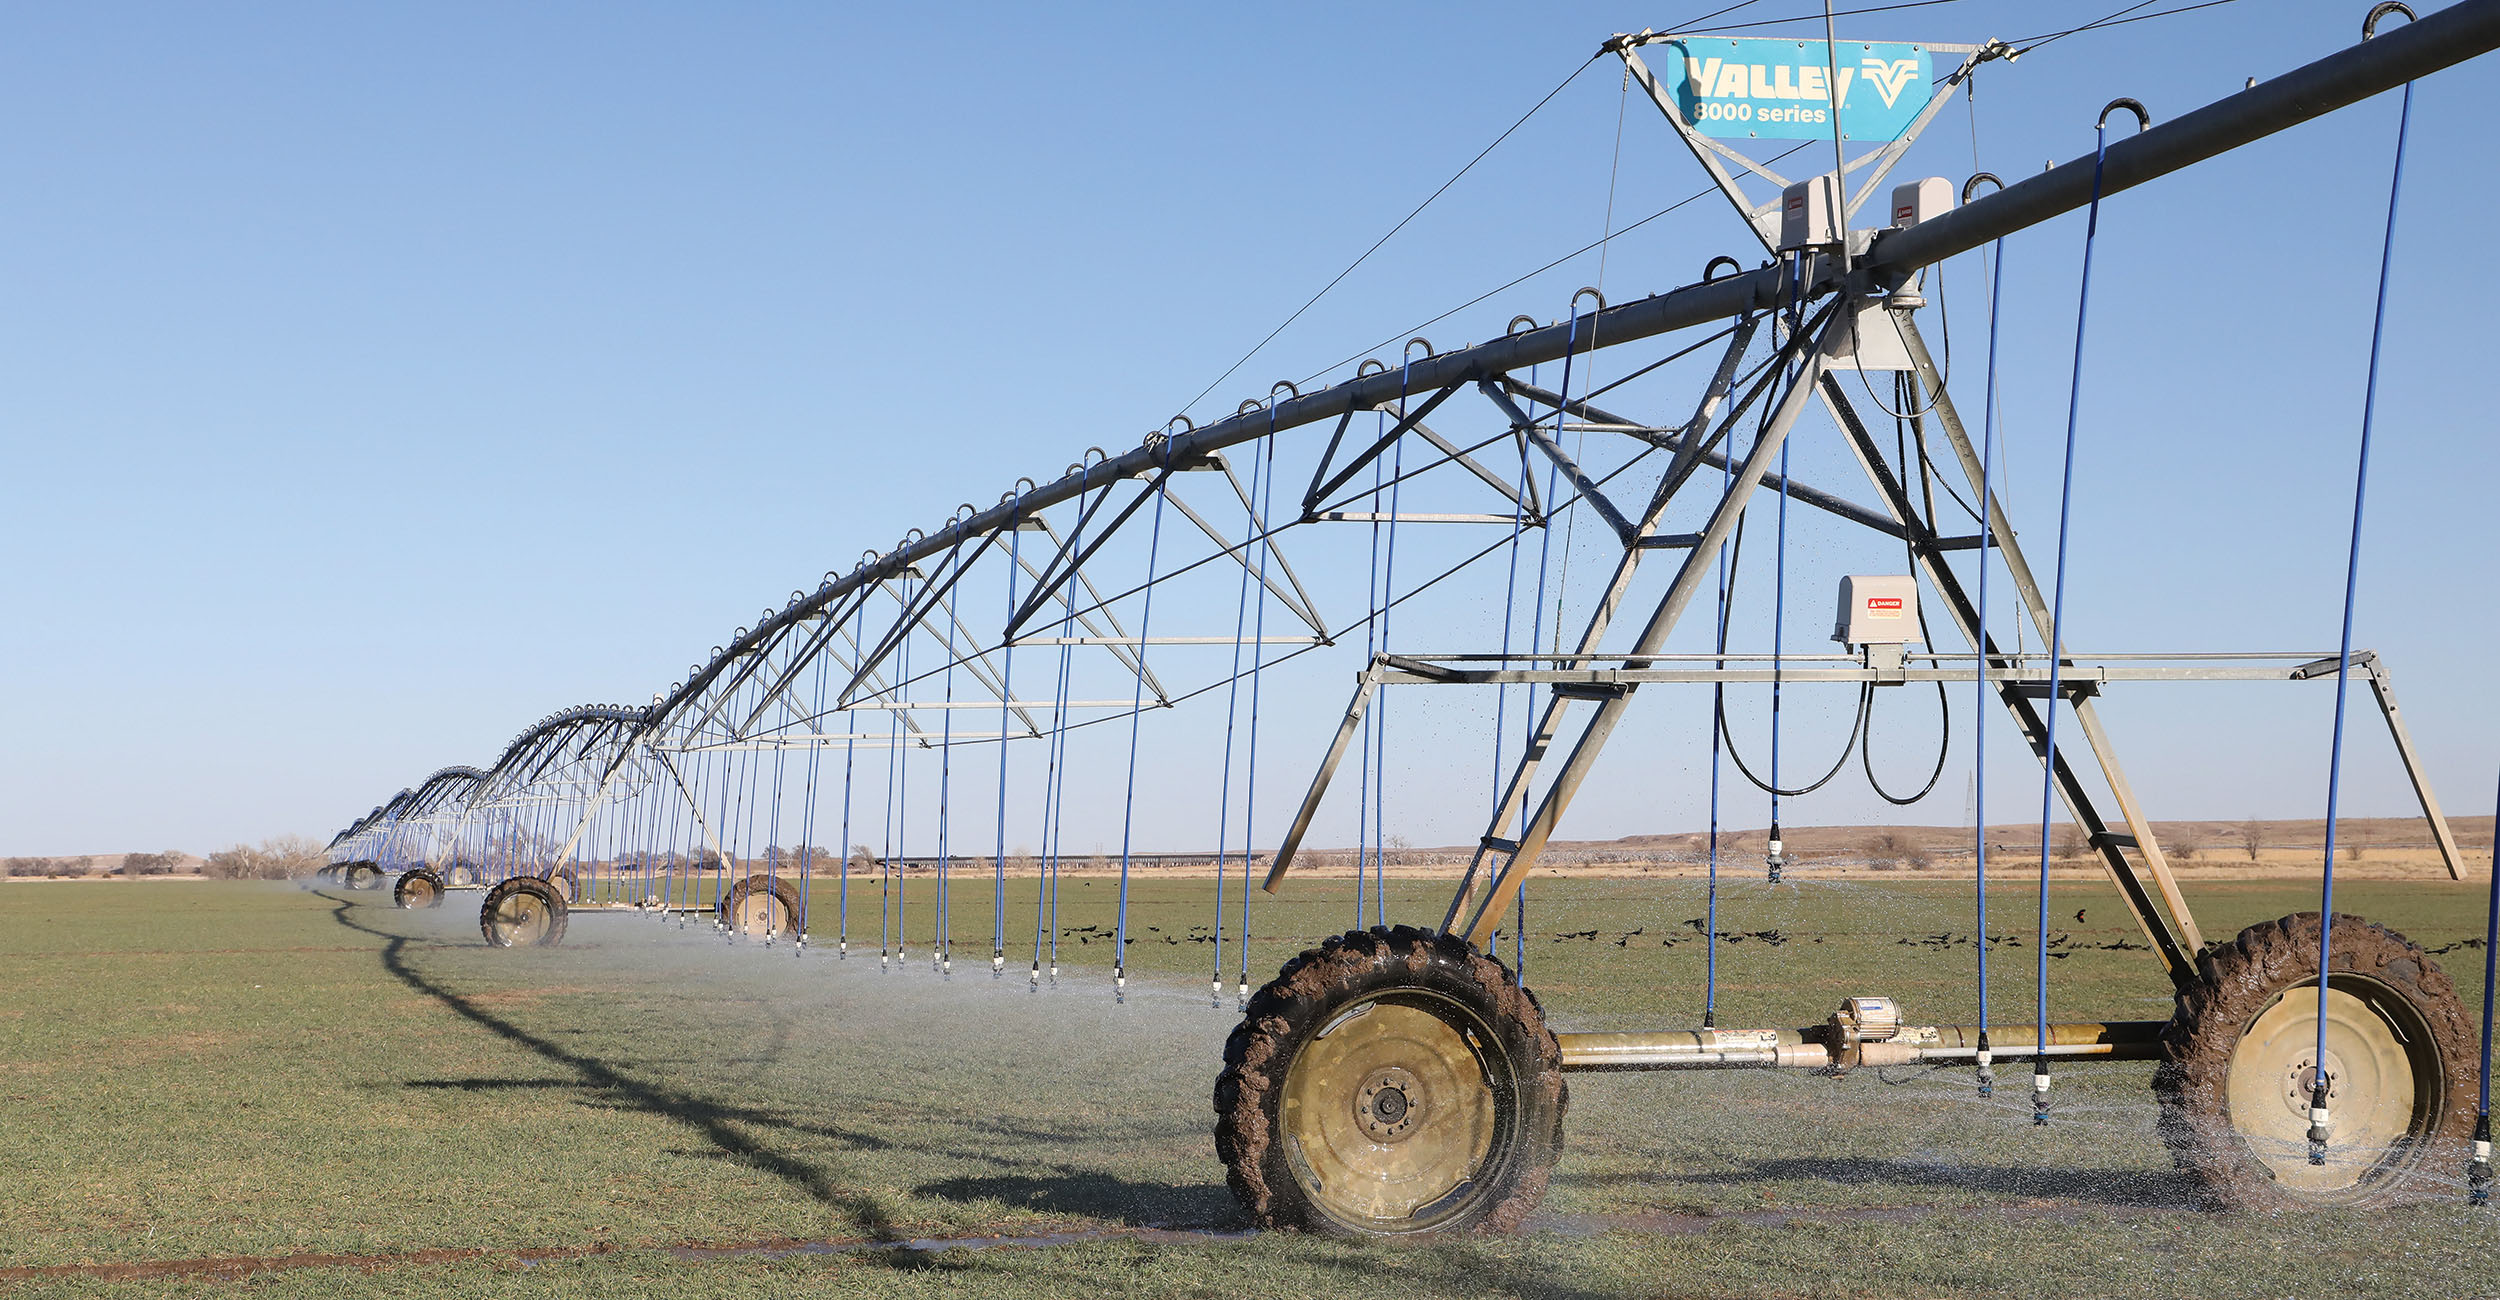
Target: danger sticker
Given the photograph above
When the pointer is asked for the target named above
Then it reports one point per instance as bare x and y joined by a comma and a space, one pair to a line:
1883, 607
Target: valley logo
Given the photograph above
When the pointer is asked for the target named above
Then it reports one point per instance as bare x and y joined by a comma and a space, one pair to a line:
1784, 90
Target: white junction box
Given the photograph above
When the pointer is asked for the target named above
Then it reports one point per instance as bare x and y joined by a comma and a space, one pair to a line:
1810, 215
1919, 201
1877, 609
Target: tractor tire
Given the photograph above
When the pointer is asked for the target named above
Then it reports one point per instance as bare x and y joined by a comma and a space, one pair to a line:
363, 875
418, 888
522, 912
761, 906
2238, 1067
1389, 1083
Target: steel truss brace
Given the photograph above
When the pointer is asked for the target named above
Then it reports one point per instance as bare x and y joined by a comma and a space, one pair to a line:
1480, 917
1625, 567
2441, 39
2177, 949
1701, 455
693, 804
1322, 485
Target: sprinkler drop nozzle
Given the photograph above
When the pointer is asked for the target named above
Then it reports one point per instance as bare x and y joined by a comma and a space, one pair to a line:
2040, 1092
1774, 856
2321, 1124
1987, 1070
2478, 1170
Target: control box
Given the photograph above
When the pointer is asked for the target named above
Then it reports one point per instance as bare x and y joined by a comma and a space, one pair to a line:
1920, 201
1878, 609
1810, 214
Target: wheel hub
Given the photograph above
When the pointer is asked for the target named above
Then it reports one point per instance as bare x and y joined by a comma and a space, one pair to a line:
2300, 1083
522, 919
757, 913
1385, 1106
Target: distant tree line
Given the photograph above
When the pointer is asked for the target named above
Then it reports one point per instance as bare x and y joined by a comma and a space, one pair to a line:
133, 864
280, 857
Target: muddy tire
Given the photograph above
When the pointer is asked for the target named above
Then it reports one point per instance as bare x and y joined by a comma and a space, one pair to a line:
418, 888
363, 875
2401, 1064
522, 912
761, 906
1390, 1082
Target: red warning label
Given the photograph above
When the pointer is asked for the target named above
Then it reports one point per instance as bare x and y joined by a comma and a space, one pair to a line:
1883, 607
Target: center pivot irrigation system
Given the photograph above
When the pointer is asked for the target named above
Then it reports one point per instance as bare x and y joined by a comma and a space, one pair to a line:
1401, 1079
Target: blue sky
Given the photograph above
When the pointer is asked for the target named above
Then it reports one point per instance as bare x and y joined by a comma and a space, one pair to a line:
381, 378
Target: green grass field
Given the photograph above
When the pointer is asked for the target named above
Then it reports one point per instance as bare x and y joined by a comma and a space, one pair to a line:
257, 1073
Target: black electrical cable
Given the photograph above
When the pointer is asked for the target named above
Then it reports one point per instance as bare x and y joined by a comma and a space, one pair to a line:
1856, 725
1866, 752
1944, 376
1718, 701
1927, 469
1944, 701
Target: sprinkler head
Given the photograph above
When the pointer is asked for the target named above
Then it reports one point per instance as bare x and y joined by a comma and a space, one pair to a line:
2040, 1093
2478, 1171
2321, 1124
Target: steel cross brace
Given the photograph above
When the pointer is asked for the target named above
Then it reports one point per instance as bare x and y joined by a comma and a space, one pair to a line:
1712, 397
1478, 921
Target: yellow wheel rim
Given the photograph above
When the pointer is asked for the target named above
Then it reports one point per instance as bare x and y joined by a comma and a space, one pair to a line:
2383, 1083
757, 912
1391, 1112
522, 919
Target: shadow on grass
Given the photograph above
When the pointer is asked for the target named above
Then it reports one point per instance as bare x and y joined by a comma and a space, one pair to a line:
1093, 1194
2162, 1189
715, 1122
